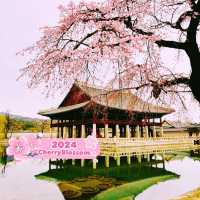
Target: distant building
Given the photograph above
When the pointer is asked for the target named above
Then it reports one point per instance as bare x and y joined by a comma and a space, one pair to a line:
178, 128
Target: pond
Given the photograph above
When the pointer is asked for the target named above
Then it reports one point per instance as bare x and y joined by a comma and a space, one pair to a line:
18, 182
189, 179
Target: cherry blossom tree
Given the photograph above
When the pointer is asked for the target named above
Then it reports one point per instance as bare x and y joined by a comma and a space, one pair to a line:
114, 34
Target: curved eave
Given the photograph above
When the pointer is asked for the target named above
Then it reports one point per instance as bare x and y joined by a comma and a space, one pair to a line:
61, 110
159, 110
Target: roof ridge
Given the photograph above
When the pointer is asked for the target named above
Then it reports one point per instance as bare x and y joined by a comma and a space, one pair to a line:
85, 84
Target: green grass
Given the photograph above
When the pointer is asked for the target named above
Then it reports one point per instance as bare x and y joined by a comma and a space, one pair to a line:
130, 190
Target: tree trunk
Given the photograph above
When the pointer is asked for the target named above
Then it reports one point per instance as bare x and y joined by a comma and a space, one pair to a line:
194, 56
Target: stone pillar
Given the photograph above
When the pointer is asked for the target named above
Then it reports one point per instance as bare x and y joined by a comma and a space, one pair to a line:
117, 131
58, 132
83, 131
161, 131
161, 128
94, 133
94, 164
154, 131
129, 159
139, 158
163, 160
147, 132
62, 132
73, 136
82, 136
107, 158
118, 160
148, 157
73, 131
107, 164
51, 133
137, 131
94, 130
58, 129
106, 131
127, 131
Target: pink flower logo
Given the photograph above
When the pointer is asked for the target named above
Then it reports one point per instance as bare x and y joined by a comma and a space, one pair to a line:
18, 148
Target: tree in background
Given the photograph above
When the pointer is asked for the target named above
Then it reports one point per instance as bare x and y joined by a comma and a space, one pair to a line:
43, 126
116, 33
2, 127
8, 124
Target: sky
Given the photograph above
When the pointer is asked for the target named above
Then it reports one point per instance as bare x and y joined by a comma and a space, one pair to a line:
20, 22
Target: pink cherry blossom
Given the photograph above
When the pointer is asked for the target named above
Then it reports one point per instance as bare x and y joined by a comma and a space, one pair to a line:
115, 32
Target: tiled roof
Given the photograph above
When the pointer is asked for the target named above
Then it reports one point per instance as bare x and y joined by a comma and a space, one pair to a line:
116, 99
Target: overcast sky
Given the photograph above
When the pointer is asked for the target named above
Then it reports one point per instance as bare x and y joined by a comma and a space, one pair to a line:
20, 21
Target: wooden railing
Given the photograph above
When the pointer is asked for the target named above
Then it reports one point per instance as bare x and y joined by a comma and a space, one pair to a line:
133, 146
3, 142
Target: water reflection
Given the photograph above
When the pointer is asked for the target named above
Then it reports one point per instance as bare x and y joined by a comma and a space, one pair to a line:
18, 182
3, 159
189, 179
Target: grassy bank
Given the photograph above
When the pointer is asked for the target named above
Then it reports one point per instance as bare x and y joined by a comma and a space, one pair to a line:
129, 190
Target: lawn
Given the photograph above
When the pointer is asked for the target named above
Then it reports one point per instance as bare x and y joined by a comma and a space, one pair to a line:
129, 190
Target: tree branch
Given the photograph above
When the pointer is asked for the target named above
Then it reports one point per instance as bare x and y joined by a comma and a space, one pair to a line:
171, 44
86, 37
176, 81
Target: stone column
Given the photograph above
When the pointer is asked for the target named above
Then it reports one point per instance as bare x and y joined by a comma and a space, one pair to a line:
129, 159
161, 131
139, 158
62, 131
73, 131
163, 159
82, 136
118, 160
73, 136
51, 132
106, 131
117, 131
94, 130
107, 161
94, 133
58, 132
58, 129
148, 157
107, 158
66, 132
147, 132
137, 131
161, 128
154, 131
127, 131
